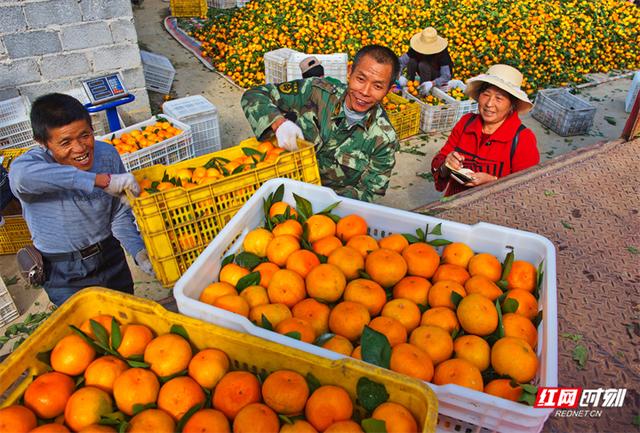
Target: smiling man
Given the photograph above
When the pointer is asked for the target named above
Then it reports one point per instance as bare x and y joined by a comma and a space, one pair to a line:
72, 190
355, 142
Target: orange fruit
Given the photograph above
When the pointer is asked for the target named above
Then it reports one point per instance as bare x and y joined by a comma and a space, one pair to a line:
285, 392
47, 395
286, 287
460, 372
451, 273
17, 419
327, 405
395, 331
207, 421
523, 276
513, 357
457, 253
102, 372
396, 417
348, 260
403, 310
279, 208
208, 366
300, 326
435, 341
231, 273
298, 426
47, 428
415, 289
235, 390
339, 344
256, 418
325, 246
168, 354
86, 406
234, 303
152, 420
487, 265
266, 270
422, 259
502, 388
72, 355
302, 261
178, 395
103, 319
474, 349
349, 319
320, 226
527, 303
395, 242
519, 326
326, 282
357, 352
281, 247
368, 293
215, 290
274, 313
440, 294
256, 241
483, 286
344, 427
288, 227
255, 295
350, 226
442, 317
135, 386
364, 244
97, 428
385, 267
134, 339
412, 361
314, 312
477, 315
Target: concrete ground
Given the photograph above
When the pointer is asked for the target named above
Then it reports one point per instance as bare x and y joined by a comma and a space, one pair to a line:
410, 186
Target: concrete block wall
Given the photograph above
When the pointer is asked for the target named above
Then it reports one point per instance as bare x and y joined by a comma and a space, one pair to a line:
51, 45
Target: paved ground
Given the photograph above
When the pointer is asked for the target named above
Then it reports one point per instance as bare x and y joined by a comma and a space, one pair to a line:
410, 185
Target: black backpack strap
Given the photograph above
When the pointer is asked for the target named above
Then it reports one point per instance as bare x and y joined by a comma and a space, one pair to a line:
469, 120
514, 143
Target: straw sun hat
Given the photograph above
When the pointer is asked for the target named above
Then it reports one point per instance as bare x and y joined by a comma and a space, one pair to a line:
504, 77
428, 42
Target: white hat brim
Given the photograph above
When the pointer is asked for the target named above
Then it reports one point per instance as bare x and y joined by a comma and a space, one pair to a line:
438, 46
473, 87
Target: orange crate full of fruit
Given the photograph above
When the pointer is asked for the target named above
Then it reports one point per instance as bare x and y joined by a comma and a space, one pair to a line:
404, 115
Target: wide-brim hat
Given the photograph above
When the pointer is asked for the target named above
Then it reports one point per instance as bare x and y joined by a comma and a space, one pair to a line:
428, 41
309, 63
504, 77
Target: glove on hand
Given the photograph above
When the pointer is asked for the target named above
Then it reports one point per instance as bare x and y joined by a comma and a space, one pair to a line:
452, 84
143, 262
287, 135
402, 81
404, 61
425, 88
121, 182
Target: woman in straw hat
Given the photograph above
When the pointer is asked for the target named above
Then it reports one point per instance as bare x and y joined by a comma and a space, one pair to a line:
429, 59
493, 143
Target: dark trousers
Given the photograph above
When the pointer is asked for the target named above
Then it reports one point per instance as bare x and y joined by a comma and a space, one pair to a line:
67, 274
5, 193
423, 69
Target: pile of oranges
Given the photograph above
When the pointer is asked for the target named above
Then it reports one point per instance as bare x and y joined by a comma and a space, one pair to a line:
146, 136
147, 383
390, 107
457, 94
446, 318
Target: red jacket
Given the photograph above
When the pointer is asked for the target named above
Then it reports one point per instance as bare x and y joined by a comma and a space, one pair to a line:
493, 157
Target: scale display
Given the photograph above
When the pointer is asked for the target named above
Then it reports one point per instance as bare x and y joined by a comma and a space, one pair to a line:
105, 88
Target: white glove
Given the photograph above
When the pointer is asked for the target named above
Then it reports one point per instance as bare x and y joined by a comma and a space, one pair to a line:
121, 182
452, 84
425, 88
287, 135
143, 262
402, 81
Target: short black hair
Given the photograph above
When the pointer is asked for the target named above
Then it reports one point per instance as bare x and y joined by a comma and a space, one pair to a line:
484, 86
381, 55
55, 110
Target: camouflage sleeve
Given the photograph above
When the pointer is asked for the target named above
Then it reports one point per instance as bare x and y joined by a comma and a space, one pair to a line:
263, 105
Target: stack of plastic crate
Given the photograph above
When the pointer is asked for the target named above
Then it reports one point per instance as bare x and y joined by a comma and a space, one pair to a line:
15, 126
275, 65
188, 8
158, 72
202, 116
335, 65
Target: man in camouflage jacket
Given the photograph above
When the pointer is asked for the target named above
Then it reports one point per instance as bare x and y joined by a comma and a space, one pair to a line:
355, 142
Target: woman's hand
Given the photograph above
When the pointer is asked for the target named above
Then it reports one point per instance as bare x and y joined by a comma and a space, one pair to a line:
480, 178
454, 160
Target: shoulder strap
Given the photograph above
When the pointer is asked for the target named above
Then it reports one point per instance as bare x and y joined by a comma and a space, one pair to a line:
469, 120
514, 143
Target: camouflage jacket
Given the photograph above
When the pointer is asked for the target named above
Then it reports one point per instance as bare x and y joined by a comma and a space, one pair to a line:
355, 161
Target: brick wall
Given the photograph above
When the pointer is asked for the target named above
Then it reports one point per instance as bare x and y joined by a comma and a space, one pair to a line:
51, 45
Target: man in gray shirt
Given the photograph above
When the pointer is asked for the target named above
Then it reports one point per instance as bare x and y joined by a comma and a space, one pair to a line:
72, 191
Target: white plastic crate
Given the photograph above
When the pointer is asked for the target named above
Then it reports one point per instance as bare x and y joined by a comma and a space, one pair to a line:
222, 4
167, 152
460, 408
158, 72
13, 110
8, 309
15, 126
633, 93
202, 116
335, 65
464, 107
242, 3
435, 118
275, 65
562, 112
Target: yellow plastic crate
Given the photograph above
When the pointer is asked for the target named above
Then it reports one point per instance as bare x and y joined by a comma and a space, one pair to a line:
14, 234
245, 351
406, 122
177, 224
189, 8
